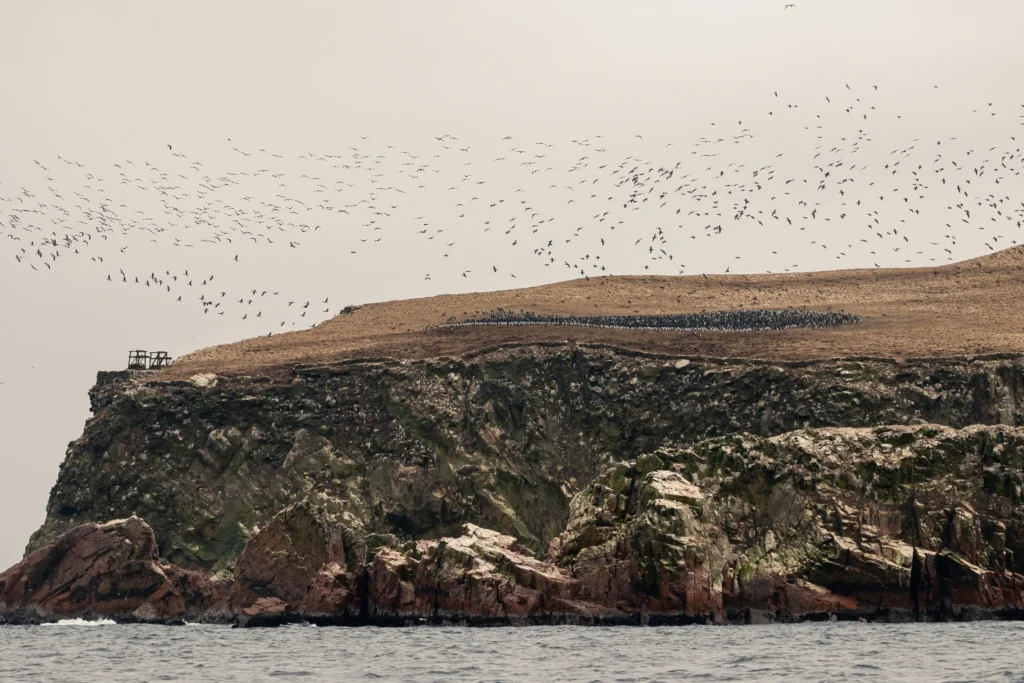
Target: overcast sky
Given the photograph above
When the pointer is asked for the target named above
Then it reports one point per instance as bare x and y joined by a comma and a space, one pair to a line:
104, 82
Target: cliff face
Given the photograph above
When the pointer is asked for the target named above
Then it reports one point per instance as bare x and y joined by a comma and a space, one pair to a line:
585, 481
923, 520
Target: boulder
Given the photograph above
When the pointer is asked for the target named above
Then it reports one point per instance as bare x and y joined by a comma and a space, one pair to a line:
481, 574
333, 591
105, 570
287, 555
636, 543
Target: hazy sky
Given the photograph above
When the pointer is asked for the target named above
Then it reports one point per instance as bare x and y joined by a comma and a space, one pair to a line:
104, 82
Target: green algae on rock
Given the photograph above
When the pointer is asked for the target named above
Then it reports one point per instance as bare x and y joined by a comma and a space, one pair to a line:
645, 484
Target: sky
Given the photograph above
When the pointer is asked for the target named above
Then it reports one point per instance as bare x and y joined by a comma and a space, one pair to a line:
337, 90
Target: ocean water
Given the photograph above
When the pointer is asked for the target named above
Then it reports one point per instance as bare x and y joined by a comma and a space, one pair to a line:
82, 651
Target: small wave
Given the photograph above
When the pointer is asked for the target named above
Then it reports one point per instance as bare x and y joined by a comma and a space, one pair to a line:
82, 622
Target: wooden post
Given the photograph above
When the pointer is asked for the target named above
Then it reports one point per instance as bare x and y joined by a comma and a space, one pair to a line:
137, 360
158, 360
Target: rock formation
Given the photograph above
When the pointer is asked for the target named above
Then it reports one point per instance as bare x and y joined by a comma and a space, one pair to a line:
545, 484
98, 570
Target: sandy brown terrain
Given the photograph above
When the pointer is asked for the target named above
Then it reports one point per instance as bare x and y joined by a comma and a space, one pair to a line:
971, 307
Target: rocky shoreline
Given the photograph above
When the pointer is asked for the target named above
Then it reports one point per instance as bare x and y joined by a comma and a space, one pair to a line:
551, 484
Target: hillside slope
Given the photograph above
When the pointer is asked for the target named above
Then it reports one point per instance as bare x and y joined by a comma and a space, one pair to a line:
971, 307
353, 474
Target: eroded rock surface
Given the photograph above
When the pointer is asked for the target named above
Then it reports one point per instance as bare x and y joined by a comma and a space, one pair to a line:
105, 570
283, 558
503, 439
302, 561
563, 483
481, 573
637, 541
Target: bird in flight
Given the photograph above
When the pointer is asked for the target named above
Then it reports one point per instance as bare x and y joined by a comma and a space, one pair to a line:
788, 6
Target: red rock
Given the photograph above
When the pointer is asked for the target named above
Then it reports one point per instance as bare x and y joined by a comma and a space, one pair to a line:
111, 569
286, 556
264, 606
646, 567
950, 584
332, 591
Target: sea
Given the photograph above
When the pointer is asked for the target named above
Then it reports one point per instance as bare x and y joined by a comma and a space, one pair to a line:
102, 651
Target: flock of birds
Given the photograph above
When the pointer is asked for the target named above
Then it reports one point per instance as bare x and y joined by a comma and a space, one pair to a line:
816, 181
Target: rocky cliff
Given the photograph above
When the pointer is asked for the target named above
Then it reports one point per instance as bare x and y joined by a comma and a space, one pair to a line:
552, 482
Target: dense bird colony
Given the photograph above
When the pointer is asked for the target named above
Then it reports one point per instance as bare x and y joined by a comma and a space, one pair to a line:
817, 181
740, 320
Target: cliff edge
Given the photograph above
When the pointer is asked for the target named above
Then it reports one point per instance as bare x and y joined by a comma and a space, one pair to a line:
557, 483
376, 469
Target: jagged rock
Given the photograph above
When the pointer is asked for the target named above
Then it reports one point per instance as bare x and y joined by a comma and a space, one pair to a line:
380, 491
636, 542
334, 590
110, 569
263, 612
394, 447
953, 588
481, 573
282, 559
891, 520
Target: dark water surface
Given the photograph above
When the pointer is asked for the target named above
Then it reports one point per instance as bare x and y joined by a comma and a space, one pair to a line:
805, 652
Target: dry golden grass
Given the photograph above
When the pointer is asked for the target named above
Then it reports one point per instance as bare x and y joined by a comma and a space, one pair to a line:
964, 308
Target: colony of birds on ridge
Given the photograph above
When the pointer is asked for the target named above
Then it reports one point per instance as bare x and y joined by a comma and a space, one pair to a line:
477, 212
736, 320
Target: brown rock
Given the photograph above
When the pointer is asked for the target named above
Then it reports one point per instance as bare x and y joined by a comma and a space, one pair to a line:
332, 591
264, 606
791, 598
482, 573
950, 584
284, 558
263, 612
636, 543
110, 569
